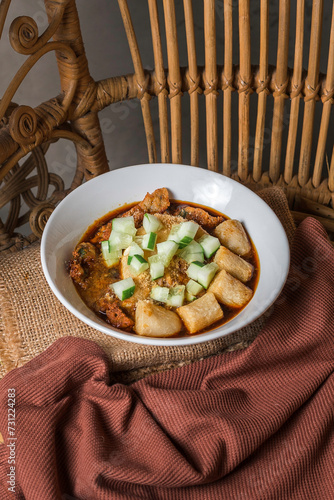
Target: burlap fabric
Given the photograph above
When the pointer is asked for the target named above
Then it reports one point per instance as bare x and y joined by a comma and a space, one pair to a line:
32, 318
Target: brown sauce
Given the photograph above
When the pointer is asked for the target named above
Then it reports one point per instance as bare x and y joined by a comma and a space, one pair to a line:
101, 277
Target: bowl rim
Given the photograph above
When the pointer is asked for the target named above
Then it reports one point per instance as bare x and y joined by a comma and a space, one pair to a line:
214, 334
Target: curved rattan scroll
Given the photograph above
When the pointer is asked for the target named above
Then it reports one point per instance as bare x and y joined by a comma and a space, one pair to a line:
23, 32
25, 131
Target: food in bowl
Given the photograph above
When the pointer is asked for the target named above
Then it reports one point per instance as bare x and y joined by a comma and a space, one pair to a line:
165, 268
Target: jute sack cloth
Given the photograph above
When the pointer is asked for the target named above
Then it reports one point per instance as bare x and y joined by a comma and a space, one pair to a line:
32, 318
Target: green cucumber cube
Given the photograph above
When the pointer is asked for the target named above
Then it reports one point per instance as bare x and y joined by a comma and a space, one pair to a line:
192, 252
113, 261
194, 257
160, 293
184, 241
167, 250
151, 223
138, 264
187, 232
124, 225
157, 270
173, 234
176, 296
134, 249
189, 297
149, 241
193, 270
105, 249
110, 257
193, 287
119, 241
210, 245
206, 274
155, 258
124, 289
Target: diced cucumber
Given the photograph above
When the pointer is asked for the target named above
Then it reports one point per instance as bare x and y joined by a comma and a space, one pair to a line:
173, 234
167, 250
157, 270
113, 261
149, 241
119, 241
184, 241
187, 232
193, 270
210, 245
155, 258
176, 296
138, 264
192, 252
110, 257
207, 273
160, 293
105, 248
151, 223
193, 287
193, 257
193, 247
124, 289
190, 297
183, 233
124, 225
134, 249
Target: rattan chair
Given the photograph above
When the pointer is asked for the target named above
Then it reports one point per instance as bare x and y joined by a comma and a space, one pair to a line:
307, 178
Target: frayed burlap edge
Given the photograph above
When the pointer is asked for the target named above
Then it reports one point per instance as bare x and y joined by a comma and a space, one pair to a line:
11, 352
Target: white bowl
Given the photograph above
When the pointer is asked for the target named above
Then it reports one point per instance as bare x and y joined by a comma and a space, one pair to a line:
92, 200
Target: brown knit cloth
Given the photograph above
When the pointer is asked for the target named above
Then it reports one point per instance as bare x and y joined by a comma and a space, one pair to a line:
248, 425
32, 318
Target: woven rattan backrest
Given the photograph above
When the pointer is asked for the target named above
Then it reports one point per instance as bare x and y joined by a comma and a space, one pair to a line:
279, 83
301, 157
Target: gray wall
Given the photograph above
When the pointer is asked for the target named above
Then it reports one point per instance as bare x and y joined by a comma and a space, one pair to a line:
108, 55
